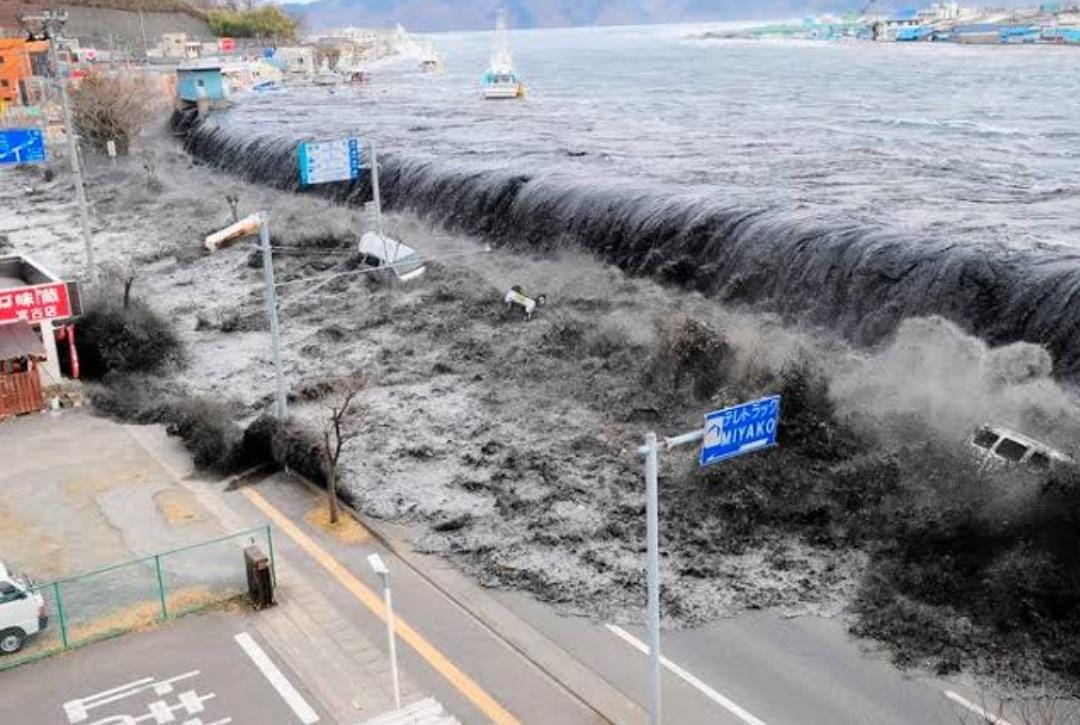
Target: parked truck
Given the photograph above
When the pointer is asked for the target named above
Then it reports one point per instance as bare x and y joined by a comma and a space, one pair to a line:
22, 611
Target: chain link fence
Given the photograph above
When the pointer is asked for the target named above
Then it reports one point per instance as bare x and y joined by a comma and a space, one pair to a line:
134, 595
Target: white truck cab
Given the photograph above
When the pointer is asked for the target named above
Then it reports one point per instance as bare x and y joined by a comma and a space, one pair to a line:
22, 611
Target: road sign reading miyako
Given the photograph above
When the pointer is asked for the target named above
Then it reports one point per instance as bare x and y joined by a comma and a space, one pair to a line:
740, 429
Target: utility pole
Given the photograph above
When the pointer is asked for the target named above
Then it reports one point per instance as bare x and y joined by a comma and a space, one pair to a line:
652, 573
53, 24
282, 408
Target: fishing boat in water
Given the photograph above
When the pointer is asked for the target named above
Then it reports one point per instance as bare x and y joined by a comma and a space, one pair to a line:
432, 61
501, 80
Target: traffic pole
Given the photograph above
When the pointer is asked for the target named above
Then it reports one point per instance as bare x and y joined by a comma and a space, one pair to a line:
393, 644
652, 574
272, 313
376, 197
51, 24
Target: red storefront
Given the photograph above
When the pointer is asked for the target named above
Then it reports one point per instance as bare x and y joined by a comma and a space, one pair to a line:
37, 310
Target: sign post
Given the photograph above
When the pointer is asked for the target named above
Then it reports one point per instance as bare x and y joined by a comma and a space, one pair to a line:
727, 433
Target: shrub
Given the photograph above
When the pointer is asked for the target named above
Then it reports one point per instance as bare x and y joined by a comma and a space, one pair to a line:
268, 21
809, 422
114, 108
117, 339
206, 426
690, 357
290, 446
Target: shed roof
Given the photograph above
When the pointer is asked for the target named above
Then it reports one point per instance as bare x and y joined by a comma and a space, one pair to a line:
18, 339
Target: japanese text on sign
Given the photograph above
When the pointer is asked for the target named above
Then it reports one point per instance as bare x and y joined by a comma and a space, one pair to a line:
33, 304
324, 161
740, 429
22, 146
145, 701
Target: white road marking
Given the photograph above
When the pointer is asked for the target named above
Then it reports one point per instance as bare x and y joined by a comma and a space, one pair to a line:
690, 679
78, 710
277, 680
988, 717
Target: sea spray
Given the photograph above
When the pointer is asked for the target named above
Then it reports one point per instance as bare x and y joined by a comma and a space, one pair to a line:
857, 280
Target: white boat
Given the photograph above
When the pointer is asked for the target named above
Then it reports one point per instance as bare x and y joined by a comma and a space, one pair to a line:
432, 61
501, 80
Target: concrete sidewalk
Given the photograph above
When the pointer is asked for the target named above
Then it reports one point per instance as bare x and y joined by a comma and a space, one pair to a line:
346, 672
477, 673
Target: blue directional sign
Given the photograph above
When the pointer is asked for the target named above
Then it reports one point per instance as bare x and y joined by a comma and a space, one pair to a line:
322, 162
741, 429
22, 146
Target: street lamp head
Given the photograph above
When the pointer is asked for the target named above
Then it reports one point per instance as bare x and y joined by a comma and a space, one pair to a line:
377, 565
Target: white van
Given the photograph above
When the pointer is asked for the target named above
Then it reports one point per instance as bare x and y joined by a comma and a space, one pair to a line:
22, 611
1001, 445
382, 251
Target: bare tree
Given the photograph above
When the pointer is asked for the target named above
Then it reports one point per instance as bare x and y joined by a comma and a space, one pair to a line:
232, 198
341, 427
123, 272
113, 107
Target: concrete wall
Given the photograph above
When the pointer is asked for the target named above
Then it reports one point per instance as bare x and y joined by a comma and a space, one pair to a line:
105, 29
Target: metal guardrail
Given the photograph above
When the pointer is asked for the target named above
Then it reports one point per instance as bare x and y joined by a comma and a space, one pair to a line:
140, 593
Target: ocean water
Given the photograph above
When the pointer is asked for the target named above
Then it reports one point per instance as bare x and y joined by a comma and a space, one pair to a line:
845, 185
969, 144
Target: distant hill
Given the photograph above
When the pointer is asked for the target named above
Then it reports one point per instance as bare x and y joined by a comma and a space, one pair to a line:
432, 15
12, 10
114, 24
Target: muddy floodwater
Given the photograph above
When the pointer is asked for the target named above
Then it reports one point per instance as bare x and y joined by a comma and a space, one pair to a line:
849, 185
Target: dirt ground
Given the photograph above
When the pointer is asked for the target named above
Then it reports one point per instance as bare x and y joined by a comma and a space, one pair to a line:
515, 441
83, 494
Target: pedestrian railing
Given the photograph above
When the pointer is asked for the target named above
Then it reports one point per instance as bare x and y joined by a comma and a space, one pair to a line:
139, 594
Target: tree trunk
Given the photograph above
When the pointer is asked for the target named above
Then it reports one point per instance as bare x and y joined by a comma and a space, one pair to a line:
331, 491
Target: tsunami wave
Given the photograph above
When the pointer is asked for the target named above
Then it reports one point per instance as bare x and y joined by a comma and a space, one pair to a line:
853, 279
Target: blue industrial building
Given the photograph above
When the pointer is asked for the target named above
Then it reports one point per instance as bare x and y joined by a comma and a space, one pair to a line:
204, 81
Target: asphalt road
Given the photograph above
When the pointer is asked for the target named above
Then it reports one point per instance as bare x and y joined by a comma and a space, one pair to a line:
200, 670
761, 668
523, 690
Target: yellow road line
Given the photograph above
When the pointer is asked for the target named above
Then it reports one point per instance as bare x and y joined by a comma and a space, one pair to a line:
462, 682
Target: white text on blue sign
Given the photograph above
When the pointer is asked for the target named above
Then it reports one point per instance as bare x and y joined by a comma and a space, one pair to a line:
740, 429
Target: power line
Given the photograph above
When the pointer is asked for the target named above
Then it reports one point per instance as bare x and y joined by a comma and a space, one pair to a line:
330, 277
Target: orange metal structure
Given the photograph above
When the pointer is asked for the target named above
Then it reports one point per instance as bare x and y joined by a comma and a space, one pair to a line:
14, 68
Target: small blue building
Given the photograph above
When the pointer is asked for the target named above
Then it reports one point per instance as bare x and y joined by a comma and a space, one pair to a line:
207, 81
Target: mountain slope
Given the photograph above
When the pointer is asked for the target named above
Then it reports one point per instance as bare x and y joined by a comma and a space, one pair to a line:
429, 15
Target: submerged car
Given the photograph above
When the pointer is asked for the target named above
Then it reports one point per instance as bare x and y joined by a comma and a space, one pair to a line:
22, 611
382, 251
1001, 445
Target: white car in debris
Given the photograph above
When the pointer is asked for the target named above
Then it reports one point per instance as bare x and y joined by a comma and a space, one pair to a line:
998, 445
381, 251
22, 611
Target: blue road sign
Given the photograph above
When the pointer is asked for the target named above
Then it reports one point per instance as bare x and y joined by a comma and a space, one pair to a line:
22, 146
740, 429
322, 162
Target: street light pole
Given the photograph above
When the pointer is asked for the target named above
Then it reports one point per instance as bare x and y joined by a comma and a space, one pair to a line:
282, 407
53, 23
380, 568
